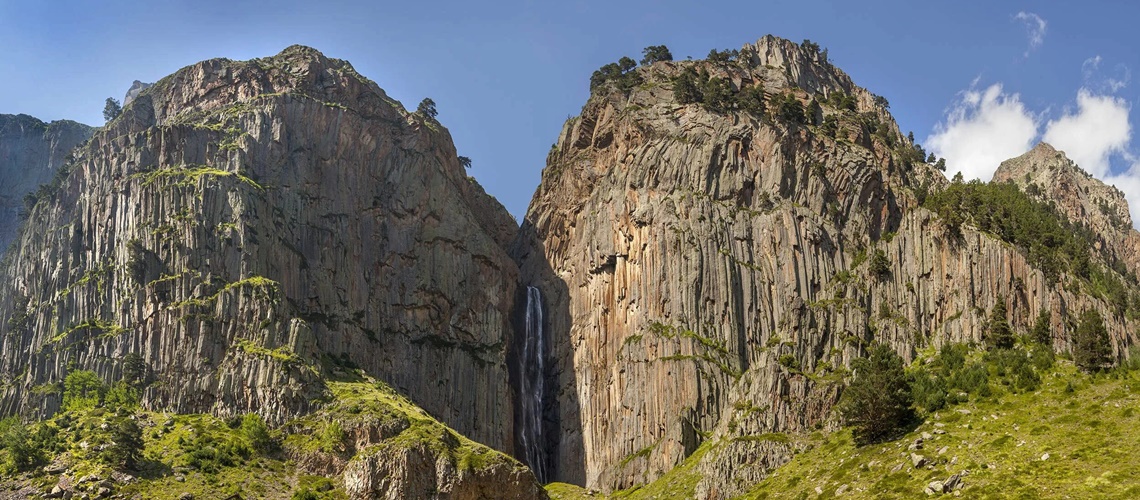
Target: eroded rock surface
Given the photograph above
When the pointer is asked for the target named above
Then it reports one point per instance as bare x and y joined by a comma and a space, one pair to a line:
706, 274
245, 225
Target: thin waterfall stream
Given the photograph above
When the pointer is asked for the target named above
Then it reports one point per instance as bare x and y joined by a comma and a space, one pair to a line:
532, 391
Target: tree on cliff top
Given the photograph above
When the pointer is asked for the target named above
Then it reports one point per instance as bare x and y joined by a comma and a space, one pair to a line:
655, 53
877, 403
427, 108
112, 109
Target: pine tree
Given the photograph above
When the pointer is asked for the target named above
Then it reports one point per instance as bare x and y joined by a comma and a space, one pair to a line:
112, 109
1042, 329
998, 333
1091, 347
877, 403
427, 108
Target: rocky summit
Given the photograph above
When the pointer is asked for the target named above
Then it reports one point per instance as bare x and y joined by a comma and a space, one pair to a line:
268, 278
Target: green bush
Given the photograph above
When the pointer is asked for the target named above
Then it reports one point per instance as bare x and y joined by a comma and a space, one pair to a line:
124, 445
1013, 369
332, 438
82, 389
790, 109
21, 450
256, 432
880, 267
790, 362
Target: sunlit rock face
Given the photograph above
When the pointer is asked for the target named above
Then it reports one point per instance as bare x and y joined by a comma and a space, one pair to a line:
246, 226
707, 275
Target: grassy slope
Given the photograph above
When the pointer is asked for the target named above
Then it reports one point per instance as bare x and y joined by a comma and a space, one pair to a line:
167, 471
1091, 434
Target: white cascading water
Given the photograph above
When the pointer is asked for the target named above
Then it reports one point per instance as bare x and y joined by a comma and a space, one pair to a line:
533, 385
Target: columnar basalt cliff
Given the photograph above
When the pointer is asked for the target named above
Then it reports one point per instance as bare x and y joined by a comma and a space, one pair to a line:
31, 152
243, 226
707, 273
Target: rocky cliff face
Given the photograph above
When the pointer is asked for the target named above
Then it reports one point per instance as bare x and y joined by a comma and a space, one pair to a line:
31, 152
707, 275
244, 226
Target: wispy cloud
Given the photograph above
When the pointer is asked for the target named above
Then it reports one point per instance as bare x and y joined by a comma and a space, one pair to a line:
1035, 27
1118, 79
982, 128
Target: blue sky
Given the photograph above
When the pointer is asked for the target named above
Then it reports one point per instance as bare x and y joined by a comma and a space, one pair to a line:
975, 81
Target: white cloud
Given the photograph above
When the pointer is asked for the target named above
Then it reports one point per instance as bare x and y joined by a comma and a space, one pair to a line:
1035, 29
1092, 133
1129, 182
982, 129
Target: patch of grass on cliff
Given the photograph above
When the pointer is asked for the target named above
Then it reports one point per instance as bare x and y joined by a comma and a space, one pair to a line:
188, 176
1087, 425
359, 401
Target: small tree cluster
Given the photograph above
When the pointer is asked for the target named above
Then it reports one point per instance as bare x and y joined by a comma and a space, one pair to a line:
880, 267
841, 101
788, 108
655, 53
620, 73
723, 56
465, 161
716, 94
877, 403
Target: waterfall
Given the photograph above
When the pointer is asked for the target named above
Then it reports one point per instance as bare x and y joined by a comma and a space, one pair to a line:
532, 387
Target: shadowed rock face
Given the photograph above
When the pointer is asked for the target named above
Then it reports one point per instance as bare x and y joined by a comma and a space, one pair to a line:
244, 225
705, 275
31, 152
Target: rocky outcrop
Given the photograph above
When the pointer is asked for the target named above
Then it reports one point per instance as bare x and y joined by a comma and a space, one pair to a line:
1048, 175
708, 275
245, 226
418, 472
31, 152
132, 93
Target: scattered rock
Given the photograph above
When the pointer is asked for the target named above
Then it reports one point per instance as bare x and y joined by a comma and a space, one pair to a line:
897, 468
103, 492
122, 477
943, 450
952, 483
935, 487
180, 478
1045, 457
840, 490
927, 436
818, 490
186, 496
917, 460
